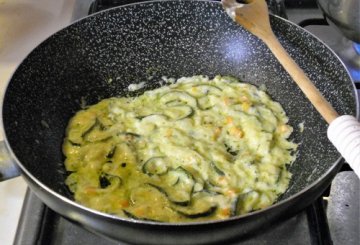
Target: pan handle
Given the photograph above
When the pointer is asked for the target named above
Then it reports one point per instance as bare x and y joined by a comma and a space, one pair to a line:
344, 133
8, 168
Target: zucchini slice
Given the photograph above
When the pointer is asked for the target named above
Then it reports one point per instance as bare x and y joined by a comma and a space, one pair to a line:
109, 182
203, 213
179, 112
129, 134
205, 89
155, 166
201, 206
98, 132
180, 193
177, 185
178, 98
230, 150
80, 125
217, 169
206, 102
153, 116
244, 203
111, 153
178, 197
133, 216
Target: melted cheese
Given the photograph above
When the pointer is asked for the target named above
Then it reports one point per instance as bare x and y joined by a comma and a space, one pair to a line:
194, 150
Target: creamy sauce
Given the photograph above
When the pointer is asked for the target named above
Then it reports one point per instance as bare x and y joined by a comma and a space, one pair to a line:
198, 149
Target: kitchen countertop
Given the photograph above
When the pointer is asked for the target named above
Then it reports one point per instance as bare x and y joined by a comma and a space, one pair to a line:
24, 24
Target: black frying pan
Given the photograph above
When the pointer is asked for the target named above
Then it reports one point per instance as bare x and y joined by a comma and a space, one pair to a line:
143, 42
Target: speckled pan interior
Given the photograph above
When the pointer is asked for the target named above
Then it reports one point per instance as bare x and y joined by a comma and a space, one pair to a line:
99, 56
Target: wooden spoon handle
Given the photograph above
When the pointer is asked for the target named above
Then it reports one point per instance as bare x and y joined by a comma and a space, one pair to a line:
299, 76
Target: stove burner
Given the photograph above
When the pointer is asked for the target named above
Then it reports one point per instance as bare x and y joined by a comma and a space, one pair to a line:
357, 47
352, 57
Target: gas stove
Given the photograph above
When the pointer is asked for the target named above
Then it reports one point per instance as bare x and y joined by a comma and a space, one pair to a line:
333, 218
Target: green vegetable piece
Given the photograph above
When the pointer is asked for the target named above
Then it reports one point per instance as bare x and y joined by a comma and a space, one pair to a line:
195, 215
133, 216
180, 97
201, 206
179, 112
217, 169
155, 166
244, 202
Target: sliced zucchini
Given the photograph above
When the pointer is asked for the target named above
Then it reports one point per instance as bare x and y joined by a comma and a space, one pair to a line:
129, 134
81, 124
184, 175
111, 153
179, 112
133, 216
199, 214
98, 132
230, 150
177, 185
125, 153
73, 143
109, 182
90, 129
153, 115
212, 188
244, 203
201, 206
217, 169
104, 182
180, 193
155, 166
205, 89
176, 197
179, 97
206, 102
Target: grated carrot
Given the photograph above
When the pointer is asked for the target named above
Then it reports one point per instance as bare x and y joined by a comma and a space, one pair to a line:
90, 190
225, 212
124, 203
237, 132
139, 211
229, 120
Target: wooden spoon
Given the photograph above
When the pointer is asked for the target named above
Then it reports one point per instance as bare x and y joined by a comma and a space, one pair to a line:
254, 17
344, 131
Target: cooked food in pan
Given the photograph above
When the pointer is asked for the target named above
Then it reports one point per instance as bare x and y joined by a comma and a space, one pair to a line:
196, 149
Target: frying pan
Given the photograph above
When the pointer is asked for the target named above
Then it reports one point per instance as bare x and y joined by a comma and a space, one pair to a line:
99, 56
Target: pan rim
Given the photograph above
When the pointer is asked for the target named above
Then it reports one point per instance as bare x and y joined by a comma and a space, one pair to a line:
72, 203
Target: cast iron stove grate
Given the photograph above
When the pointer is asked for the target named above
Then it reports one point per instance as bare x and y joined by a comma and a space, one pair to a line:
42, 226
